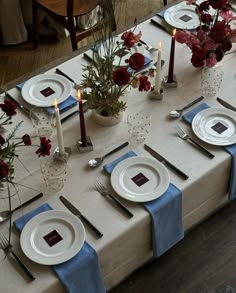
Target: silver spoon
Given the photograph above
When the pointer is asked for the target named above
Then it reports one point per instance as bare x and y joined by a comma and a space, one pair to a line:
4, 215
98, 161
177, 113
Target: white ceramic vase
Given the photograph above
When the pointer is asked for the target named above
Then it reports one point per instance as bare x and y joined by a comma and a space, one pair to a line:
106, 120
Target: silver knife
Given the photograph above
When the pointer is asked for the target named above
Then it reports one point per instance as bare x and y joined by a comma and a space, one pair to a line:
78, 214
225, 104
160, 158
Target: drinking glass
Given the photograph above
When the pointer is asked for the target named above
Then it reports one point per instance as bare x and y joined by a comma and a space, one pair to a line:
211, 79
54, 173
42, 122
139, 125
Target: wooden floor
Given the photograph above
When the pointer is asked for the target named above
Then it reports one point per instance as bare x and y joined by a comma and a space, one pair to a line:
204, 262
16, 61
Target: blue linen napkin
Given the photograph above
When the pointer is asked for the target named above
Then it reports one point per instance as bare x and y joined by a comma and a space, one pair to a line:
63, 106
165, 211
231, 149
81, 274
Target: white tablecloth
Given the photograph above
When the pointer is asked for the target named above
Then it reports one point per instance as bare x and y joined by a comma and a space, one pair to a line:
126, 243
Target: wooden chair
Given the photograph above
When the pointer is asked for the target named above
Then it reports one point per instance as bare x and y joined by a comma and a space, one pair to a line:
65, 11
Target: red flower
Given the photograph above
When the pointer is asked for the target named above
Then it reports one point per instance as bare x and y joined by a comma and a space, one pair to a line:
45, 146
4, 169
219, 32
206, 18
136, 61
2, 140
144, 84
130, 39
9, 108
220, 4
26, 139
121, 76
198, 57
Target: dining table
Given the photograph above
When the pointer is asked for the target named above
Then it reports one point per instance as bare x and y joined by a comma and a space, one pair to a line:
126, 244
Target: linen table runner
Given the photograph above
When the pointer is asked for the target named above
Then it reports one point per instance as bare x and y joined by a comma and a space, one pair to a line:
81, 274
231, 149
165, 211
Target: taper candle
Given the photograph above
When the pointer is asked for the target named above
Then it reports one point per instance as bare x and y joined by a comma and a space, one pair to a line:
82, 123
157, 86
172, 59
60, 139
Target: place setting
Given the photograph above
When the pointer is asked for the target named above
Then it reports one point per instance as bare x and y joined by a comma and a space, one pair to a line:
56, 238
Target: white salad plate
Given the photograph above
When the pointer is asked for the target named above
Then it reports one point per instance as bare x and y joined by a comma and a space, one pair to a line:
215, 126
52, 237
182, 16
140, 179
43, 89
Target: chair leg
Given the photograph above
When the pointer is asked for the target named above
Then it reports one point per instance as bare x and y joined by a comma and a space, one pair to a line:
73, 40
35, 24
1, 41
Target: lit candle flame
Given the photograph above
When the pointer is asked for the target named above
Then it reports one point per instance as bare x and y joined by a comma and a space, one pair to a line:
79, 95
160, 46
55, 103
174, 32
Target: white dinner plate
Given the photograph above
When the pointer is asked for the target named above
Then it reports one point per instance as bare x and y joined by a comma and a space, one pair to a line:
216, 126
182, 16
52, 237
140, 179
43, 89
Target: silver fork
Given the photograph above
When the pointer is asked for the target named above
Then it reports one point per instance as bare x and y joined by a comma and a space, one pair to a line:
105, 192
148, 47
185, 136
7, 248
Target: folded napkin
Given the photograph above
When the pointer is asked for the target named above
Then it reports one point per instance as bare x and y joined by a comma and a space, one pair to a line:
63, 106
165, 211
231, 149
81, 274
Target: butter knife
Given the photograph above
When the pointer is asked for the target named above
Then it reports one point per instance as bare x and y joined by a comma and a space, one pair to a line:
225, 104
22, 107
78, 214
161, 159
162, 27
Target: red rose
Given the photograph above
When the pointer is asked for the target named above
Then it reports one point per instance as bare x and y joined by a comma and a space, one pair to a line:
206, 18
144, 84
4, 169
219, 32
204, 6
45, 146
121, 76
130, 39
198, 57
26, 139
220, 4
136, 61
2, 140
9, 108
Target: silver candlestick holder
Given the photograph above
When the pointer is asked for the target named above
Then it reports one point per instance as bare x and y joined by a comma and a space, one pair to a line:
85, 148
172, 84
153, 95
64, 157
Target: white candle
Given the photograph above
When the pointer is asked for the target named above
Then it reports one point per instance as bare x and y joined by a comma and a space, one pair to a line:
157, 86
60, 139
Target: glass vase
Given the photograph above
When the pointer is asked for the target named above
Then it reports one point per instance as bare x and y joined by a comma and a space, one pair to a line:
211, 80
